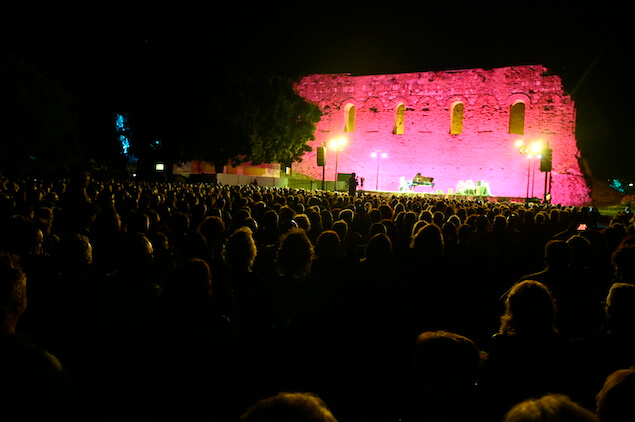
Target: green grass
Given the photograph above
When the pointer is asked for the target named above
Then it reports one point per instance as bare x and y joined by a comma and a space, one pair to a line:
612, 210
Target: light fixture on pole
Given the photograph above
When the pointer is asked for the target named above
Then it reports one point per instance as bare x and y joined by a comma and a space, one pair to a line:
531, 151
337, 144
376, 154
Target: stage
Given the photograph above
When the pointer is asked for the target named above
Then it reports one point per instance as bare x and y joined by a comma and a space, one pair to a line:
450, 196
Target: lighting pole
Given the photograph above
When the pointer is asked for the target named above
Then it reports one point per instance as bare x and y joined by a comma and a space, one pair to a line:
532, 150
337, 144
323, 146
528, 175
533, 175
376, 154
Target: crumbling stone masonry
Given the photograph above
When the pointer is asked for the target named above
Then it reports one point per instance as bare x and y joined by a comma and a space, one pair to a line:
455, 126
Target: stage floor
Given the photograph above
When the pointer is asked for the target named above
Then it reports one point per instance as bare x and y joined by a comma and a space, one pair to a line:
471, 198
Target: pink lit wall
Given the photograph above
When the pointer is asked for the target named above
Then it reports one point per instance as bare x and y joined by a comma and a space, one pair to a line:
483, 151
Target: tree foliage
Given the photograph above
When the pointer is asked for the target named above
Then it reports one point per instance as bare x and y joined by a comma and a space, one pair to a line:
238, 115
37, 119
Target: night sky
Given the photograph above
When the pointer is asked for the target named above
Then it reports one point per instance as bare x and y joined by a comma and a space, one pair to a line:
103, 52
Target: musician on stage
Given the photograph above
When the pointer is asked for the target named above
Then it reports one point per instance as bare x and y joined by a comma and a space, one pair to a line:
352, 184
403, 185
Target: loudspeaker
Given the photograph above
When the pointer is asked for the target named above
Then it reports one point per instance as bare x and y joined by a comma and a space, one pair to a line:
320, 156
545, 159
545, 164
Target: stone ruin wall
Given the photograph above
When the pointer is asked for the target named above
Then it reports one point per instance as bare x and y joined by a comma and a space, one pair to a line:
483, 151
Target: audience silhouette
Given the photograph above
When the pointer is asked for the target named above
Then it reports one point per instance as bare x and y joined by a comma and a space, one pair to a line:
289, 407
527, 357
445, 374
195, 301
550, 408
615, 399
34, 386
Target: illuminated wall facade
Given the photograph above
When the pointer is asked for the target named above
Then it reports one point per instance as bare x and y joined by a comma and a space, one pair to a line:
455, 126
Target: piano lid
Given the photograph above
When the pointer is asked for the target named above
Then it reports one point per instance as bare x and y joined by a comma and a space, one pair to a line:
422, 179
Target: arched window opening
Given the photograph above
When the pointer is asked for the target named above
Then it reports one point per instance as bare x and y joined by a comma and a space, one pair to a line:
350, 118
517, 118
400, 120
456, 126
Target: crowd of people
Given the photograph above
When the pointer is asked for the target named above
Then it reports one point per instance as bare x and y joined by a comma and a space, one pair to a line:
204, 303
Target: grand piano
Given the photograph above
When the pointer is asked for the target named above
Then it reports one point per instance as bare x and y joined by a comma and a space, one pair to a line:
420, 180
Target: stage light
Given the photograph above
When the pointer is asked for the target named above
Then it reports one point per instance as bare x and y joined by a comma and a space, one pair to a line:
338, 143
534, 150
535, 147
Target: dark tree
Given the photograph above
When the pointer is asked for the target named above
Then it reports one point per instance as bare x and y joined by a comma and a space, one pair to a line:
235, 114
38, 122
